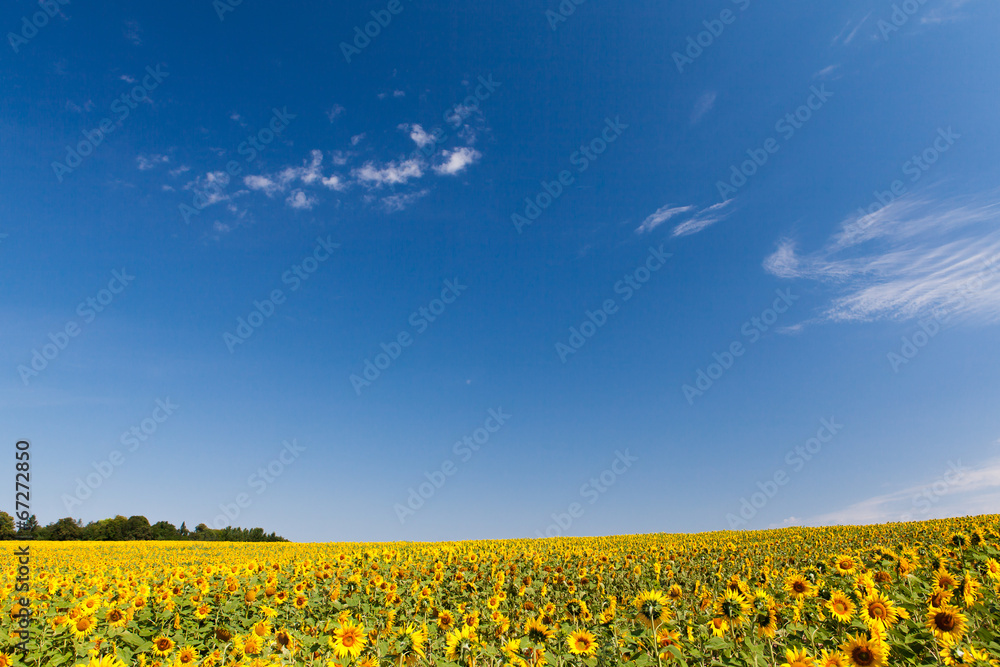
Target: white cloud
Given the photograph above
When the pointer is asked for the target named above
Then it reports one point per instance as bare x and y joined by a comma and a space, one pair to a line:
126, 78
662, 214
147, 162
392, 173
262, 184
210, 188
179, 170
703, 219
398, 93
334, 111
906, 260
357, 139
395, 203
958, 491
697, 222
456, 161
334, 183
704, 104
825, 72
298, 199
417, 133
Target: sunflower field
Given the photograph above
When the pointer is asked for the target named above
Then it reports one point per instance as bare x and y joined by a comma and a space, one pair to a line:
866, 596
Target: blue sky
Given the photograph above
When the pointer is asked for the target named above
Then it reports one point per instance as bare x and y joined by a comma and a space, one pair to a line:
632, 233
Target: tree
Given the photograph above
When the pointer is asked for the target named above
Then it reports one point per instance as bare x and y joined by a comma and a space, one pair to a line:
137, 528
6, 526
164, 530
64, 529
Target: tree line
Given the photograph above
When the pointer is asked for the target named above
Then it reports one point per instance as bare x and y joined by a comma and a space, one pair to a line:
121, 529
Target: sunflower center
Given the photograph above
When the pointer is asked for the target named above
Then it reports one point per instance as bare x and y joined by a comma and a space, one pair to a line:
862, 657
799, 587
945, 621
878, 610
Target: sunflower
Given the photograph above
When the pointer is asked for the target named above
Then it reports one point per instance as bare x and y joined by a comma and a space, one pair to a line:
652, 607
187, 655
844, 565
864, 652
841, 607
83, 626
252, 645
733, 607
832, 659
581, 642
414, 639
719, 626
797, 658
6, 660
946, 623
103, 661
576, 609
968, 589
348, 639
445, 620
798, 587
162, 646
537, 631
675, 592
993, 569
460, 642
943, 581
766, 622
261, 629
877, 611
116, 618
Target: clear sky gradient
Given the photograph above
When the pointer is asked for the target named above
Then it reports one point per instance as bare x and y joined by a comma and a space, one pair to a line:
502, 270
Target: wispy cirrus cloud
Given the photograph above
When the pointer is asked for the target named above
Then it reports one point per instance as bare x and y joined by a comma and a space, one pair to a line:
958, 491
906, 260
662, 214
695, 223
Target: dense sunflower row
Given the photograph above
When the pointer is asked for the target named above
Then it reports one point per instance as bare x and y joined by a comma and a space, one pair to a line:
915, 593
